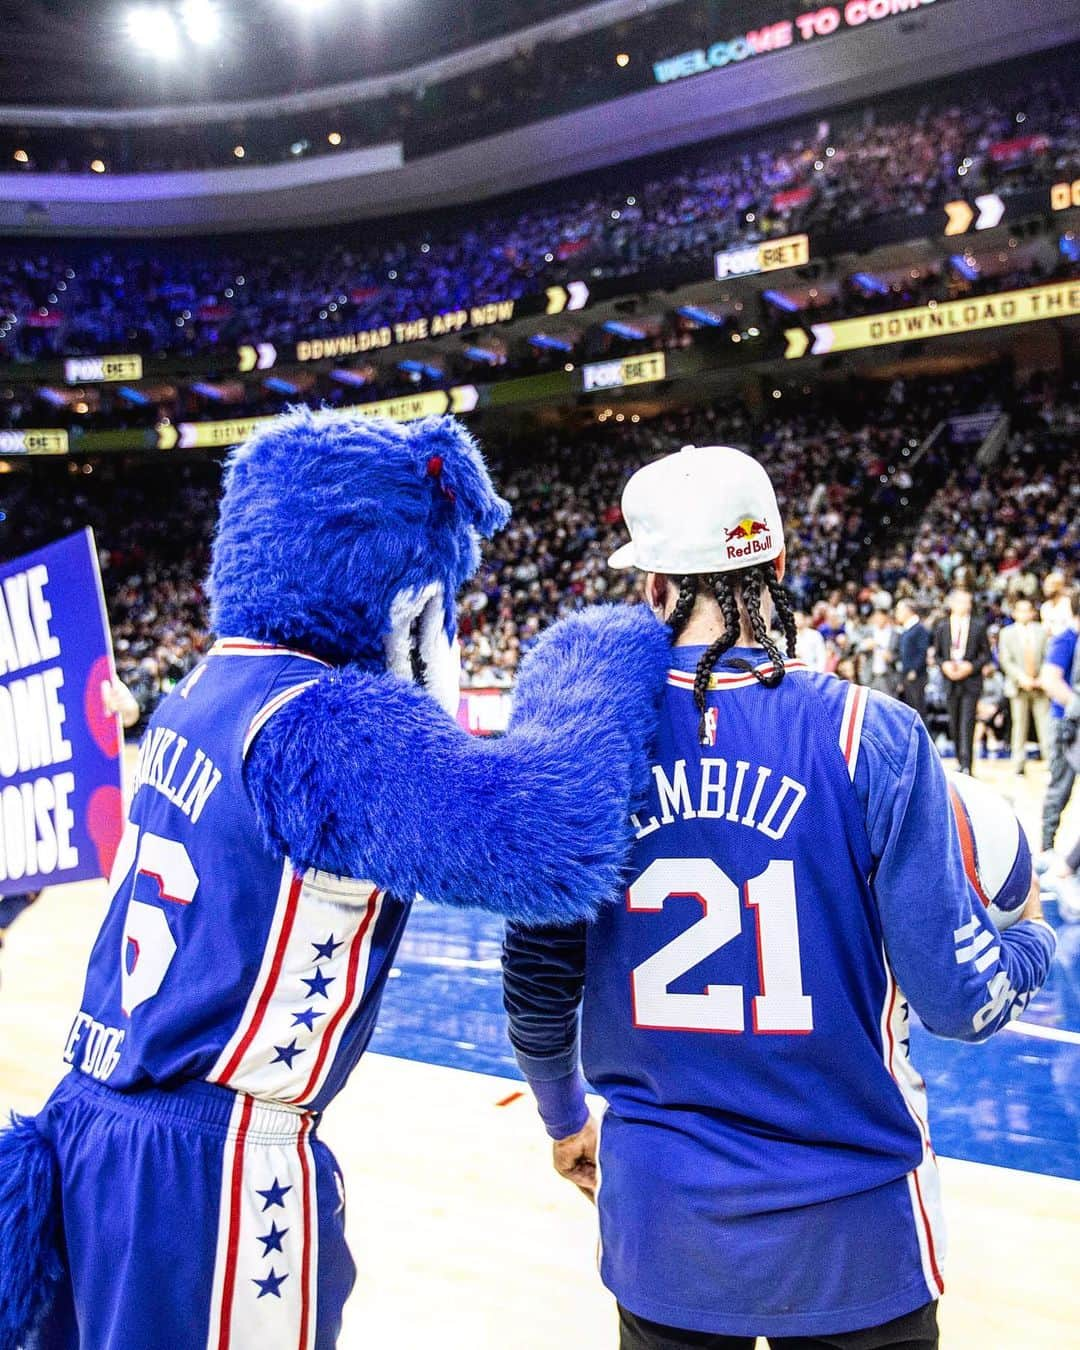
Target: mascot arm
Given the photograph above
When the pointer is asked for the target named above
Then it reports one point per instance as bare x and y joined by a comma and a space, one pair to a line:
363, 775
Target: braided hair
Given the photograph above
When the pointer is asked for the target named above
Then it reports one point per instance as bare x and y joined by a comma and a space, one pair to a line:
727, 588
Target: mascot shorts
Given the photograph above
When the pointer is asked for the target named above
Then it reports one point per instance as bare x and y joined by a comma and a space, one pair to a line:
193, 1217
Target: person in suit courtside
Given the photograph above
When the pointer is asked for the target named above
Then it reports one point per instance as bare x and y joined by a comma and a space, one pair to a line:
1021, 652
962, 648
913, 640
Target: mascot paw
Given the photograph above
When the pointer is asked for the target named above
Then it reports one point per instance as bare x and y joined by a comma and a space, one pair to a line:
30, 1260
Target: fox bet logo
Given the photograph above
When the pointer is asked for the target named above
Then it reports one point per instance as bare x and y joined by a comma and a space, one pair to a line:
748, 538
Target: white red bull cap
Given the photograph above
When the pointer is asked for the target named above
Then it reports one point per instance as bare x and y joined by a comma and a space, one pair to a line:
708, 508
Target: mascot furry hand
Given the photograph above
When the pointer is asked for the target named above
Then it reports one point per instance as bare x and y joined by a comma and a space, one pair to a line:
349, 538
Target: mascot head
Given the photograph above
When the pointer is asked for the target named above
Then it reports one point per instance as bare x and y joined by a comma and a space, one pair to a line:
348, 537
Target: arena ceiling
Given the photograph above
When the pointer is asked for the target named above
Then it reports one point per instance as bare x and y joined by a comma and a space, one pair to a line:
57, 54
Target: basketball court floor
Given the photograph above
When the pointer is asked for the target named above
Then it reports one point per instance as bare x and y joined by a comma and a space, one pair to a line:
464, 1237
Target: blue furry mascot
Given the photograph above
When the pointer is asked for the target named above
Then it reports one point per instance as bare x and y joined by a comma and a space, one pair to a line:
291, 797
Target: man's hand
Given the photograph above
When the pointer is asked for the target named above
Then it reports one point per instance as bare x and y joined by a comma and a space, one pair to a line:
118, 701
575, 1158
1032, 907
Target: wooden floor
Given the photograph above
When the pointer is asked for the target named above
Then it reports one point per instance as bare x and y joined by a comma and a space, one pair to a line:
463, 1236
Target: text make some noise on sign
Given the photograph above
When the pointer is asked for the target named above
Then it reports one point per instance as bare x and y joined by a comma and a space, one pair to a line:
36, 820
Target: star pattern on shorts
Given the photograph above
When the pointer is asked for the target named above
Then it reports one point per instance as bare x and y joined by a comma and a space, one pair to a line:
319, 984
287, 1053
325, 950
275, 1195
272, 1284
306, 1018
272, 1241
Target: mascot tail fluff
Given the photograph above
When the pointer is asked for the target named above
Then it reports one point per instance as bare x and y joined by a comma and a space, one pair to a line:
31, 1264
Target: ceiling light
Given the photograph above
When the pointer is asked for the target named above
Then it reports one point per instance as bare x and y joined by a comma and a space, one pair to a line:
201, 20
334, 138
97, 165
623, 59
153, 30
21, 157
238, 151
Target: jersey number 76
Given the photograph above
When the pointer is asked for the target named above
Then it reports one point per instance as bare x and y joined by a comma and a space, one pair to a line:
780, 1007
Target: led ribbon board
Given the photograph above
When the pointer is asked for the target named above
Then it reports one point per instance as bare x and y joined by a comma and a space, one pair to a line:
1054, 301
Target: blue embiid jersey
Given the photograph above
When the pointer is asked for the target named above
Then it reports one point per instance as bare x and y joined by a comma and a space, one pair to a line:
765, 1159
217, 959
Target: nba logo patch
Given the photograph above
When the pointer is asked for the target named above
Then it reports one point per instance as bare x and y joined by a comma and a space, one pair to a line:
710, 727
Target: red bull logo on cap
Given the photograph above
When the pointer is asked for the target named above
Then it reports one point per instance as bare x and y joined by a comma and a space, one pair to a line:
747, 538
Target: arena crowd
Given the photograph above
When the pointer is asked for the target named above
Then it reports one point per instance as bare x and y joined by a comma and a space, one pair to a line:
874, 517
837, 172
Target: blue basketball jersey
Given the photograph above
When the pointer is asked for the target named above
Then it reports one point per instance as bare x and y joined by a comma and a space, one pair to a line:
217, 960
765, 1159
745, 972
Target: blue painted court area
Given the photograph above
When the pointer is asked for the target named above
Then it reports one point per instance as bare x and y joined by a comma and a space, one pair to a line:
1013, 1102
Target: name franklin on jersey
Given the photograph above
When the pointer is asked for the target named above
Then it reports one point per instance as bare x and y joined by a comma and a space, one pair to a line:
184, 774
745, 794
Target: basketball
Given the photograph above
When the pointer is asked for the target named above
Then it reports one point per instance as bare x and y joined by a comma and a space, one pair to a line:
997, 858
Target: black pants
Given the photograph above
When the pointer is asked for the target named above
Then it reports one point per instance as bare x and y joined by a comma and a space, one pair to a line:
961, 703
1060, 786
917, 1330
913, 693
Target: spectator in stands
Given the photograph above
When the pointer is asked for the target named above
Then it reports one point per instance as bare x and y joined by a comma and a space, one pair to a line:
912, 645
1056, 679
1021, 652
962, 650
878, 647
992, 709
809, 644
1056, 612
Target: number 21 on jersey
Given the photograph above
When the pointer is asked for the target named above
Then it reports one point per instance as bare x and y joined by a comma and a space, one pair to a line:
779, 1006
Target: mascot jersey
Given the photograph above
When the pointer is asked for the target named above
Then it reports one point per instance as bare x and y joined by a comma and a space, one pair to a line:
217, 960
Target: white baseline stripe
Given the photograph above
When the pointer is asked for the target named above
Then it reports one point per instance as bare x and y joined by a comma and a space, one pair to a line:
1041, 1033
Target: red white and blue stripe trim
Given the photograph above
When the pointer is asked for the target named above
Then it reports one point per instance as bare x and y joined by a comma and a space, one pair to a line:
269, 709
317, 958
851, 724
924, 1187
267, 1145
248, 647
684, 679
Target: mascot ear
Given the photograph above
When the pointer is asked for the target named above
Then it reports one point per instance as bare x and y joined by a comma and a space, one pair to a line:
445, 452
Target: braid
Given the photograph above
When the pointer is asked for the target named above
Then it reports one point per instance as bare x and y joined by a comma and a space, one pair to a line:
684, 605
782, 603
729, 607
752, 584
728, 587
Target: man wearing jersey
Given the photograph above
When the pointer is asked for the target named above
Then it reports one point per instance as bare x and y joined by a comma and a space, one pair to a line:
796, 885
